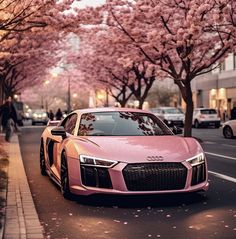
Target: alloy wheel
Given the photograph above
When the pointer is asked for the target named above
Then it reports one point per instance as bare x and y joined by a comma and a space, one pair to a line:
228, 132
64, 178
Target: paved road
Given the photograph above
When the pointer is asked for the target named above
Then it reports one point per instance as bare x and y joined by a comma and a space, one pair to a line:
203, 216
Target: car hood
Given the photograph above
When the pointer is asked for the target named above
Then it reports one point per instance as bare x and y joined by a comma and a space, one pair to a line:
180, 115
135, 149
230, 122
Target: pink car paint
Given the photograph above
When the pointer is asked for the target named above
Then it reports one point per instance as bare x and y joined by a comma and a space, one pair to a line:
145, 164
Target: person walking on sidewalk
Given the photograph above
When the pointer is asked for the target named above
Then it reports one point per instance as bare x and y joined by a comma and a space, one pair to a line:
59, 114
9, 118
51, 115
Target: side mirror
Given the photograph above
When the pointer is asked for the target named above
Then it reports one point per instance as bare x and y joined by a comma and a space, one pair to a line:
59, 131
177, 130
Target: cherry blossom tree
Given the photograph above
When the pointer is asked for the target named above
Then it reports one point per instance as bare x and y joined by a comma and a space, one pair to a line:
103, 58
177, 37
29, 23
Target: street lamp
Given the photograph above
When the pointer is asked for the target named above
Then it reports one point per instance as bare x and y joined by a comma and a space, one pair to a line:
68, 102
102, 96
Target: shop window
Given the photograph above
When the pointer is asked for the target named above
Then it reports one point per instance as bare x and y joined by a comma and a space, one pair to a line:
234, 61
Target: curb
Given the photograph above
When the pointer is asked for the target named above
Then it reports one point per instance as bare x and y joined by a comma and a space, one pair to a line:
21, 218
3, 196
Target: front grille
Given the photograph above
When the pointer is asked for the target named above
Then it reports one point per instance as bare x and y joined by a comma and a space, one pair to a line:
95, 177
155, 176
198, 174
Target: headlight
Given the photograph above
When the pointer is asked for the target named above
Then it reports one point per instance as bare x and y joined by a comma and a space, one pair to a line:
35, 115
198, 159
44, 115
92, 161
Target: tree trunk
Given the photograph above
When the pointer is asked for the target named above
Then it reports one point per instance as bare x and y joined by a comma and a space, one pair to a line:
140, 104
1, 92
188, 119
187, 95
122, 103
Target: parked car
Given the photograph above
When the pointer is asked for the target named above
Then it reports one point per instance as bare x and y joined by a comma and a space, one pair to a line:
170, 115
205, 117
120, 151
39, 116
229, 129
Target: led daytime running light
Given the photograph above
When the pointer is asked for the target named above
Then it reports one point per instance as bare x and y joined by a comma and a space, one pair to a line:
196, 160
96, 162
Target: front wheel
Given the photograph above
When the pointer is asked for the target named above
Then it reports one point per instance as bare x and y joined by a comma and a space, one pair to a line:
42, 160
196, 124
228, 133
65, 190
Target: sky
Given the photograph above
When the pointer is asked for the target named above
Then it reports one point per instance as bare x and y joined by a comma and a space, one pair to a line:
90, 3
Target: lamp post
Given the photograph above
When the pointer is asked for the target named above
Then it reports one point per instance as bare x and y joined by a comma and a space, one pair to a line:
69, 99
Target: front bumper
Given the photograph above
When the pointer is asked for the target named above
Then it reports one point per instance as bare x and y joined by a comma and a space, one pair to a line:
119, 184
210, 123
171, 123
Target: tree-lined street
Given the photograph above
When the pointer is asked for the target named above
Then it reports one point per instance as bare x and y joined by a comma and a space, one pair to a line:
59, 56
203, 215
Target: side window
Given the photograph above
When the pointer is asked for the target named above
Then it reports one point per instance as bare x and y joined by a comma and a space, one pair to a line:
70, 124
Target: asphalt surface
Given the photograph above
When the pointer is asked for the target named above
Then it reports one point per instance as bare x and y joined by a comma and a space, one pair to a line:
202, 215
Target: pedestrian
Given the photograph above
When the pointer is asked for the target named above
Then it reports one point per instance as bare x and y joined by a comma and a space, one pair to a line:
233, 113
9, 118
59, 114
51, 115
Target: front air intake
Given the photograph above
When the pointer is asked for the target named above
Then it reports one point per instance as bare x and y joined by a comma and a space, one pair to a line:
95, 177
155, 176
198, 174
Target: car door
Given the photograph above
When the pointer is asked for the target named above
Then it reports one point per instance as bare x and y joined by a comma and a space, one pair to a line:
69, 124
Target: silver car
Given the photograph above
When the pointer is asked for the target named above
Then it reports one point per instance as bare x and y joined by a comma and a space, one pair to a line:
40, 116
170, 115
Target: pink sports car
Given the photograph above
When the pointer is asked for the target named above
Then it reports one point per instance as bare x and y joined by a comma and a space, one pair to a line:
120, 151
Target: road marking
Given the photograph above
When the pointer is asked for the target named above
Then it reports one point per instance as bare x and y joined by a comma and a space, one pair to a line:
222, 176
220, 155
33, 126
208, 142
229, 145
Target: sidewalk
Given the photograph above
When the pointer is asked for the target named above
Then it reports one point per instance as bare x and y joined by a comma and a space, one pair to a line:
21, 221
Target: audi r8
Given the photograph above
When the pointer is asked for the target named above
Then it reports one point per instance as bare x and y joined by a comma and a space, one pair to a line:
120, 151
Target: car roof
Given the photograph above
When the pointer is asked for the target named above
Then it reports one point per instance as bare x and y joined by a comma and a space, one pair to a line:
205, 109
108, 109
39, 110
167, 107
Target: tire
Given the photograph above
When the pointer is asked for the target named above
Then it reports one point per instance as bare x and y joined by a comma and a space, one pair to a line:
42, 160
196, 124
33, 123
228, 133
65, 190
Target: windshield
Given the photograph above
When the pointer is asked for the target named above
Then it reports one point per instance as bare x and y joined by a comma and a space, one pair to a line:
121, 124
172, 111
208, 112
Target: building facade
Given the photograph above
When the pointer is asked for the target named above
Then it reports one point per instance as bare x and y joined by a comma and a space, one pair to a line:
217, 89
